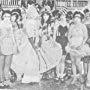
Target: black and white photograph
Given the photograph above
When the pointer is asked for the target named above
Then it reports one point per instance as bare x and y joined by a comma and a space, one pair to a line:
44, 44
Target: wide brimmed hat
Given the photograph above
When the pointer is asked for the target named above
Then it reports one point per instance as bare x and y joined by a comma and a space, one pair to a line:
78, 14
86, 11
69, 15
55, 12
6, 11
46, 9
46, 12
16, 11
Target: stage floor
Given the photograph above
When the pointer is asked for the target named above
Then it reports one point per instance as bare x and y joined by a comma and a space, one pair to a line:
49, 85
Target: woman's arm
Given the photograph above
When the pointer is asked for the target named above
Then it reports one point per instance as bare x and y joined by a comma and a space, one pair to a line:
85, 33
70, 32
56, 25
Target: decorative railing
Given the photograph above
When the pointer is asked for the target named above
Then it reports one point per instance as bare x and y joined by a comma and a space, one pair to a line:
9, 3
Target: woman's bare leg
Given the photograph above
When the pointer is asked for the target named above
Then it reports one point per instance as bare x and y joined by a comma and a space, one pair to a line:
79, 65
8, 61
88, 76
85, 68
2, 63
62, 67
73, 59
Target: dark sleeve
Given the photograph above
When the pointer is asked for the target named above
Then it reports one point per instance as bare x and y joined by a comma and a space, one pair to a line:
88, 29
66, 30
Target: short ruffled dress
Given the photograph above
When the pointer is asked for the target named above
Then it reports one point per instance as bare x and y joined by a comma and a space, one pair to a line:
26, 61
75, 46
50, 55
7, 41
62, 39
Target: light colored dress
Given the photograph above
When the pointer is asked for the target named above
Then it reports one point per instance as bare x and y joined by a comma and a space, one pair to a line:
76, 36
26, 61
31, 27
50, 55
32, 23
7, 41
32, 64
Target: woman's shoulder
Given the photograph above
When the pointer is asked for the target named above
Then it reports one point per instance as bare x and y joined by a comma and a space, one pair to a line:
5, 26
19, 34
72, 25
83, 26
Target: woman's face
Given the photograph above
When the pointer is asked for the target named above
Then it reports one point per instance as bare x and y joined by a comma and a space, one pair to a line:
77, 19
19, 19
46, 17
87, 16
13, 18
63, 17
23, 15
7, 16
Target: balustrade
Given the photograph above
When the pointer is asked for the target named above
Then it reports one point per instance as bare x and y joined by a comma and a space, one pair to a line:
9, 3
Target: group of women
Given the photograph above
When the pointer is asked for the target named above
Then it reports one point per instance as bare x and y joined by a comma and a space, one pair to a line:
34, 41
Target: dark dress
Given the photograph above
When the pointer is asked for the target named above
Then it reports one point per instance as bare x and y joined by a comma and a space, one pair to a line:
88, 28
62, 39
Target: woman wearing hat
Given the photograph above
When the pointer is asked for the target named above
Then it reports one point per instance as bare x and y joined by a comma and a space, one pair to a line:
60, 31
87, 15
87, 23
77, 46
8, 47
50, 52
87, 62
26, 61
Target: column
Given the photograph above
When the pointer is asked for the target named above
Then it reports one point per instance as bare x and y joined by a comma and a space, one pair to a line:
13, 2
71, 3
8, 2
3, 2
77, 4
16, 2
19, 3
0, 1
55, 4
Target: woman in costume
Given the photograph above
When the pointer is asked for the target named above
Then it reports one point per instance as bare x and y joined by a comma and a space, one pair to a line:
26, 62
77, 46
60, 36
50, 52
86, 61
8, 47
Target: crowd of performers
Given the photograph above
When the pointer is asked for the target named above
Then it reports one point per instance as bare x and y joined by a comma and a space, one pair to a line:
34, 40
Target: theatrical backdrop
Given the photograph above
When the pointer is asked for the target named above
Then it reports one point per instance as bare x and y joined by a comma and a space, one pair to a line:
58, 3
